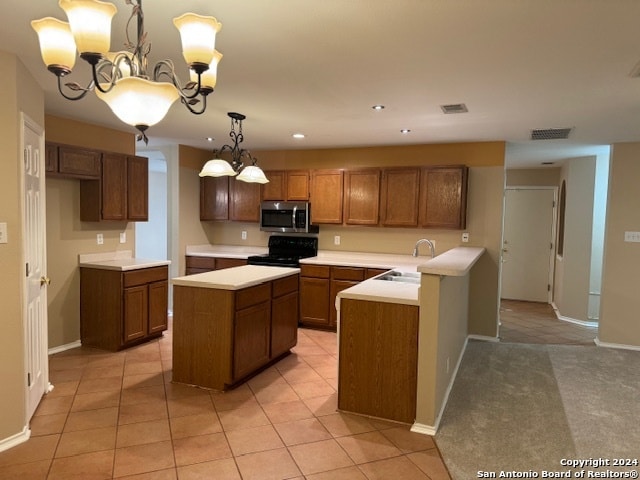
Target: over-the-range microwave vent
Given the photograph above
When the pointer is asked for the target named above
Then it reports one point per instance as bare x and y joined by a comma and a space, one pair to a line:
454, 108
550, 133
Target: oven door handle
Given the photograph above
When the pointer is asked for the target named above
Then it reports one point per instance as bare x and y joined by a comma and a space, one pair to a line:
293, 218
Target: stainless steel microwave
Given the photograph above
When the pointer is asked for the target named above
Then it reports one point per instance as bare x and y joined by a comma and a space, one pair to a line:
286, 217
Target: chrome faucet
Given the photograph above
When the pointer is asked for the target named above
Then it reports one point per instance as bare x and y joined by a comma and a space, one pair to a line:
428, 242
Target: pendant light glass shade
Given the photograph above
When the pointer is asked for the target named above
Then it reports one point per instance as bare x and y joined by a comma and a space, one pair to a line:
123, 67
198, 34
90, 22
139, 102
252, 174
209, 78
217, 168
57, 46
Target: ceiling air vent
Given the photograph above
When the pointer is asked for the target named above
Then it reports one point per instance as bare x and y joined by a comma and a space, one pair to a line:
550, 133
454, 108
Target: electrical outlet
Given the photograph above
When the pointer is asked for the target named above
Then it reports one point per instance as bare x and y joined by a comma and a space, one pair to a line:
123, 237
336, 240
100, 239
632, 237
3, 233
244, 234
465, 237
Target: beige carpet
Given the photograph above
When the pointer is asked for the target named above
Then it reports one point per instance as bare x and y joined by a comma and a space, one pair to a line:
526, 407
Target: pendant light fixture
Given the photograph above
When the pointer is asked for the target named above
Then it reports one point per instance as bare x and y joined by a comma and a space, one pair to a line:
137, 97
218, 167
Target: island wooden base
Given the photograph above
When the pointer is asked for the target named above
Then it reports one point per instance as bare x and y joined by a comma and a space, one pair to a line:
223, 337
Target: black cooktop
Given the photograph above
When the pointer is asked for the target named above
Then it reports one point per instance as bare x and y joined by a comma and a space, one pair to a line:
286, 251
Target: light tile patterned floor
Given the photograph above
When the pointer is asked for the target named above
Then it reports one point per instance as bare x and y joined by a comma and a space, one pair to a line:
532, 322
117, 415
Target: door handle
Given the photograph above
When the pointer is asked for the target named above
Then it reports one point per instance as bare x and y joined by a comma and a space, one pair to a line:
45, 281
505, 250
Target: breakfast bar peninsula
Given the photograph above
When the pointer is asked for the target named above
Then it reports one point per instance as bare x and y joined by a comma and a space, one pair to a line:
230, 323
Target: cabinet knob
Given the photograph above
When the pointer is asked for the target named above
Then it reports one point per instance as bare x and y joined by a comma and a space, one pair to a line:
45, 280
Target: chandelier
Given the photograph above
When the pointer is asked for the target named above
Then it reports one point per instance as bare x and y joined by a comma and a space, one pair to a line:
218, 167
136, 96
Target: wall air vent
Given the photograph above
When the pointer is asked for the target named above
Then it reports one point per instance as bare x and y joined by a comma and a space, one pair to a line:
454, 108
550, 133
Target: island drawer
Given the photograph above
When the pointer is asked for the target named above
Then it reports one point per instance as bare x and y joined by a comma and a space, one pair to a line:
253, 295
144, 276
318, 271
200, 262
282, 286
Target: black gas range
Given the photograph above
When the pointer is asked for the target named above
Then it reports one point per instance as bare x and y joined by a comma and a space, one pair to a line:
286, 251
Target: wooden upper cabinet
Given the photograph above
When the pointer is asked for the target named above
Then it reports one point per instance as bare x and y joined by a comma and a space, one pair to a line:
244, 199
443, 197
277, 186
114, 187
290, 185
72, 162
138, 189
298, 185
326, 196
399, 197
362, 194
214, 198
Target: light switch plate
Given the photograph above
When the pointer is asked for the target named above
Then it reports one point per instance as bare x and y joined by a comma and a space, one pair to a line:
336, 240
243, 235
123, 237
3, 233
632, 237
99, 239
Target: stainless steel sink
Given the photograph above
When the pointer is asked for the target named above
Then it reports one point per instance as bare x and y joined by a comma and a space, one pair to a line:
398, 276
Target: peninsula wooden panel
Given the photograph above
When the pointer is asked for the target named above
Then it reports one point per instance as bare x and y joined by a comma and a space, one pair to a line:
362, 196
326, 196
399, 197
378, 359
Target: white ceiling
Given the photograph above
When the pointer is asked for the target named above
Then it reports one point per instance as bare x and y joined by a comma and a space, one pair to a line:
317, 67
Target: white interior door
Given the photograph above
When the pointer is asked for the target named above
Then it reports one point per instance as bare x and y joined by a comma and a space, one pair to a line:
35, 264
528, 244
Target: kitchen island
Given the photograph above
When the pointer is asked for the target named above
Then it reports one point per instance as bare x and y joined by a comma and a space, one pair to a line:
229, 324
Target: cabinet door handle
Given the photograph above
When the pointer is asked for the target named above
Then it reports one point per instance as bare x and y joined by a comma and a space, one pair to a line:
45, 281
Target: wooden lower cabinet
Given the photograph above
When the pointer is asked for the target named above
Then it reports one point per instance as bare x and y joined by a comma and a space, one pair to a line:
222, 337
195, 264
378, 366
120, 309
319, 287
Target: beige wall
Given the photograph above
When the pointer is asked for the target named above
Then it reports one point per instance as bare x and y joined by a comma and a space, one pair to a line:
67, 236
484, 210
573, 269
620, 302
533, 177
18, 93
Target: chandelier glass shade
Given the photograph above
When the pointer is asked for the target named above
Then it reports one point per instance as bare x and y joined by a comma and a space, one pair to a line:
217, 167
137, 97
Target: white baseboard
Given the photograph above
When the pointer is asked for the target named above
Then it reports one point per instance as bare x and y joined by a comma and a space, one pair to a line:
483, 338
584, 323
424, 429
63, 348
620, 346
17, 439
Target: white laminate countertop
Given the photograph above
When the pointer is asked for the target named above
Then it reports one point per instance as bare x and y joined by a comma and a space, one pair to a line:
384, 291
121, 260
453, 263
235, 278
226, 251
406, 263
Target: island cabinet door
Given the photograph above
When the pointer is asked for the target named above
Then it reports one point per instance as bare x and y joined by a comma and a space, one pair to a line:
284, 315
158, 306
252, 328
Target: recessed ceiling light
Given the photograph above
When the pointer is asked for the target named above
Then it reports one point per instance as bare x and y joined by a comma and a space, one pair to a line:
378, 107
548, 163
298, 135
209, 139
405, 131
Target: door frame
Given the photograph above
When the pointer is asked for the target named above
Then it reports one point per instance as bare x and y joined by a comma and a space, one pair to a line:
553, 239
27, 122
